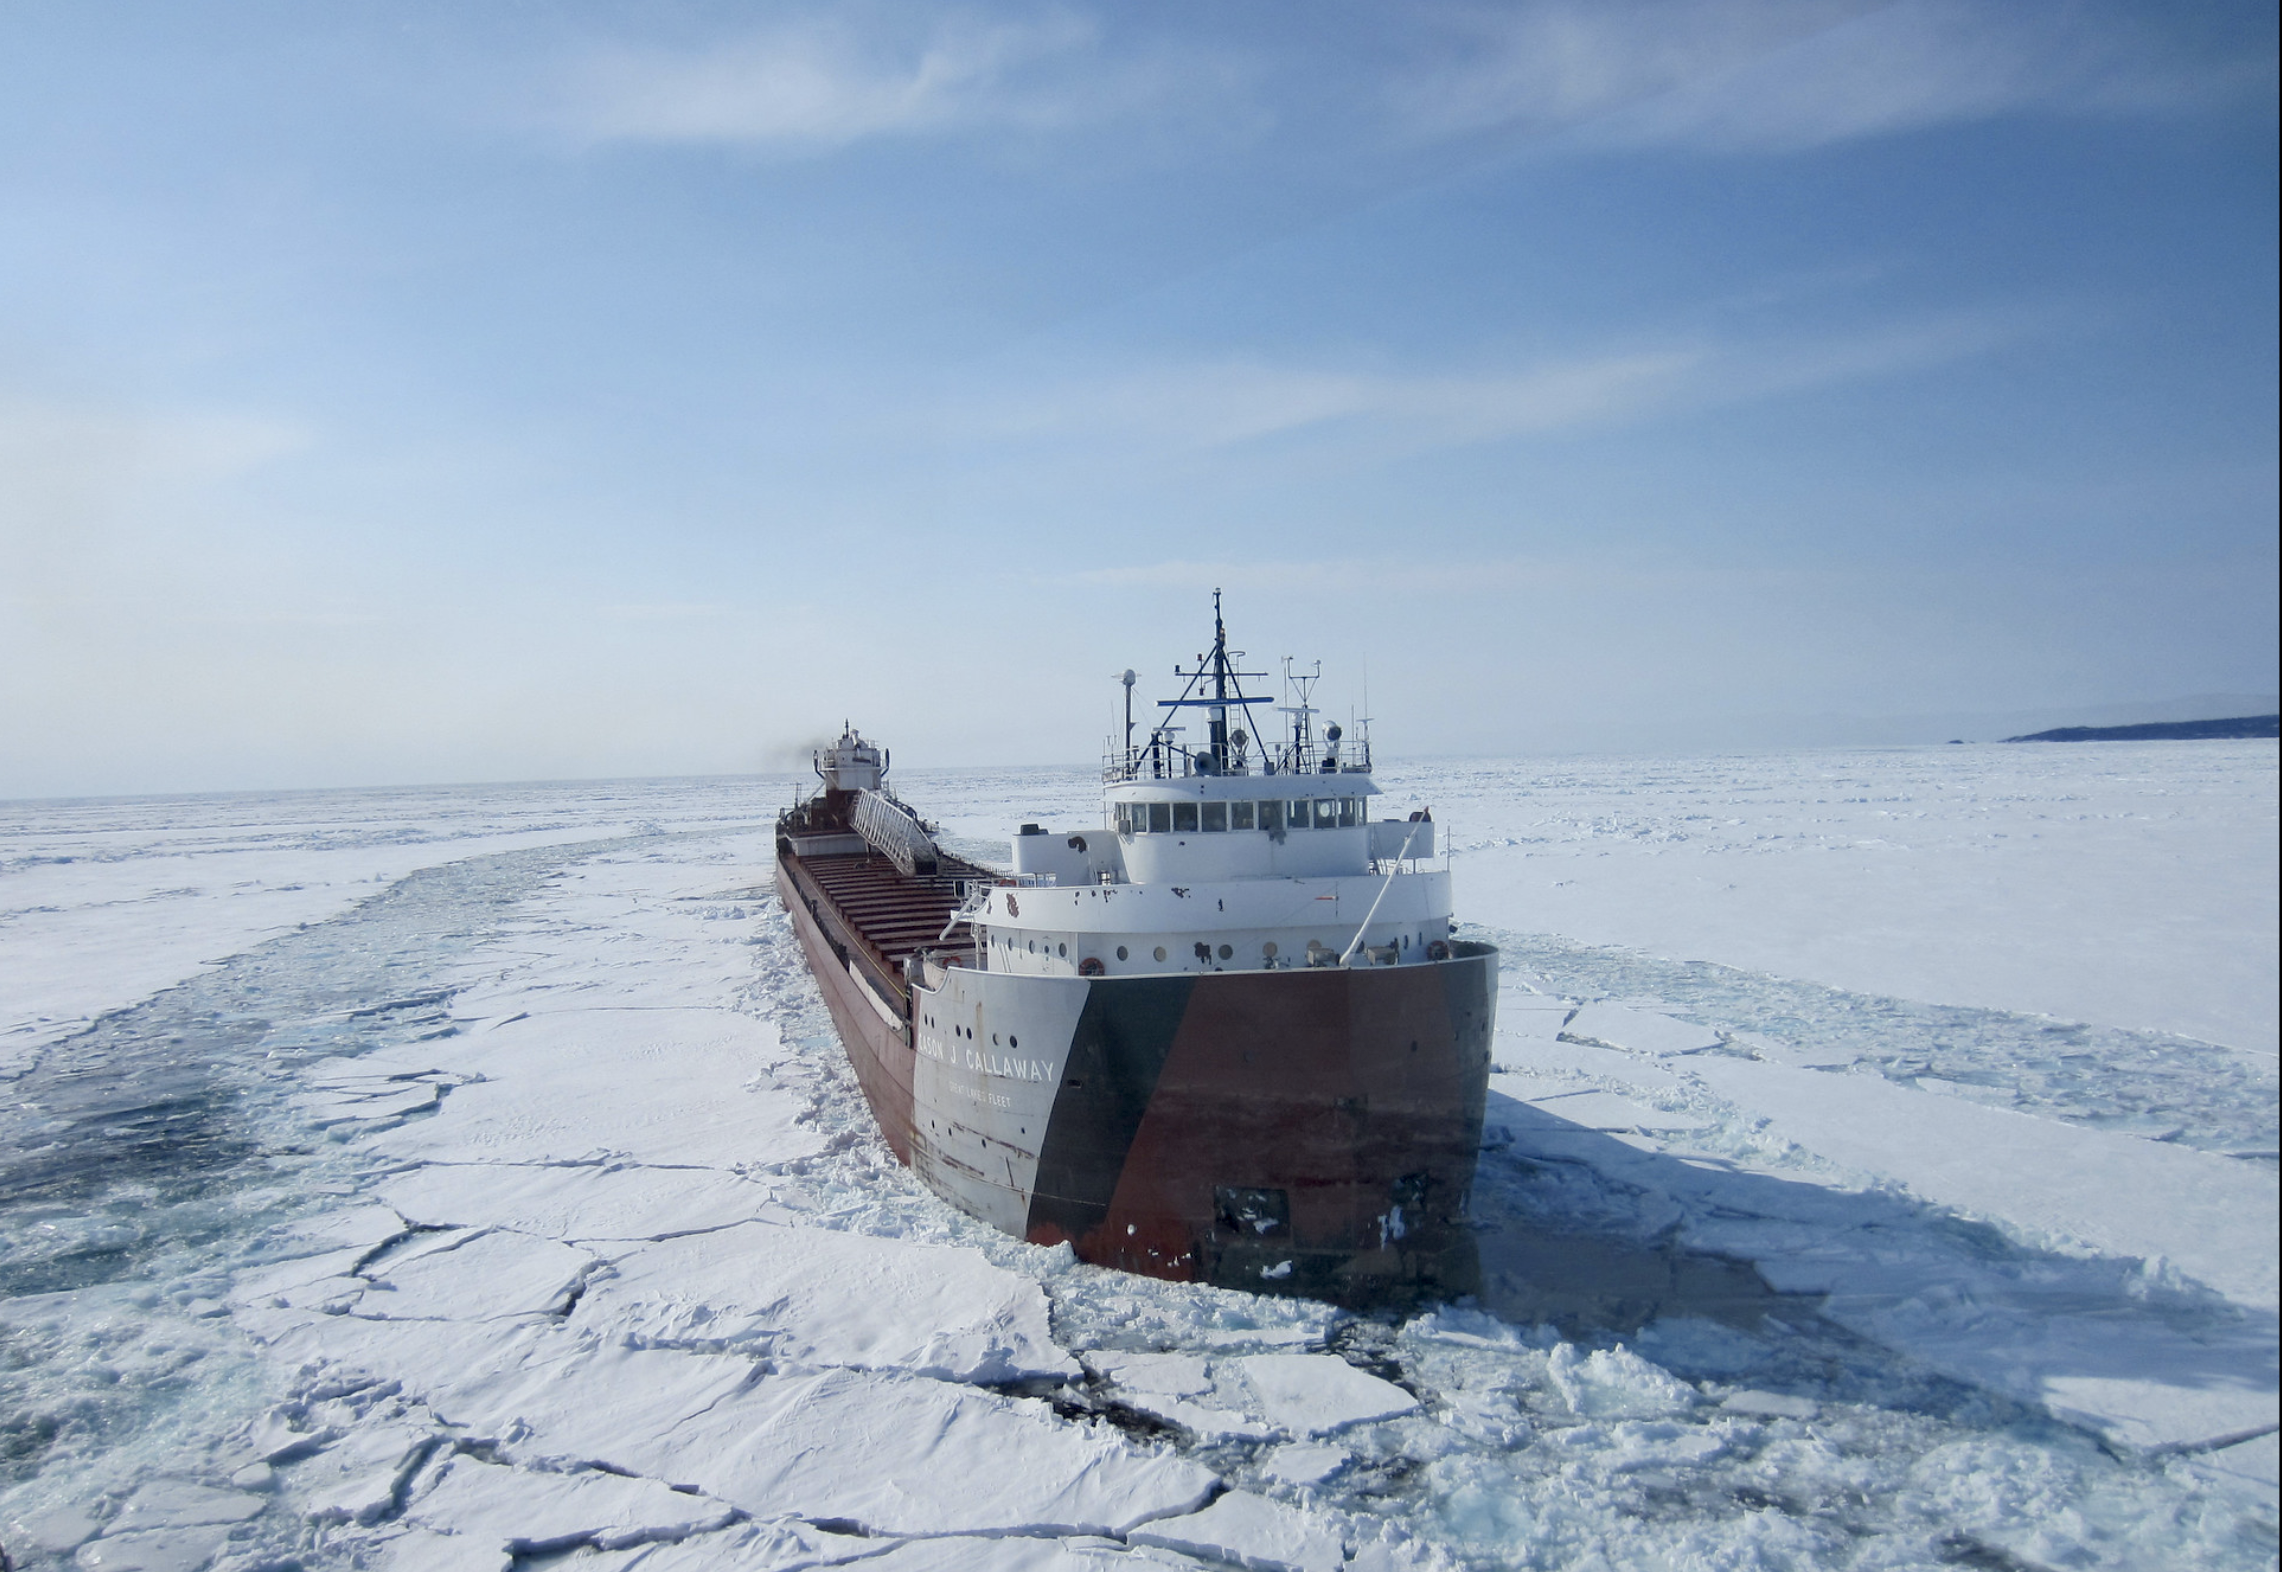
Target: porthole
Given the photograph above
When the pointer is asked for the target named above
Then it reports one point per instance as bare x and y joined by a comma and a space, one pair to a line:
994, 1039
1160, 952
1121, 955
1062, 950
1226, 951
1269, 949
1013, 1041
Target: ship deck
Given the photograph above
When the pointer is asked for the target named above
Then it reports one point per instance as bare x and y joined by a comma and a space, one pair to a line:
883, 913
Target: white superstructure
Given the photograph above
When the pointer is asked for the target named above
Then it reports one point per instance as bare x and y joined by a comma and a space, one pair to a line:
1223, 856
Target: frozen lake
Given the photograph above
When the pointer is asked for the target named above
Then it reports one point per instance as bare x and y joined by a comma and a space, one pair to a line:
1881, 1172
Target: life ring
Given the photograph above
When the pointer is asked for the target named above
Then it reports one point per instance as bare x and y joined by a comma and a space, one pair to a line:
1438, 951
1091, 967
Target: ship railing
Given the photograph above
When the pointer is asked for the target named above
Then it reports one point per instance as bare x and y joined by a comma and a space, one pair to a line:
1179, 762
974, 898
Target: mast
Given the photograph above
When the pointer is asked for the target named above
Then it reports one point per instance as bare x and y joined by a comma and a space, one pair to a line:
1220, 755
1218, 714
1129, 680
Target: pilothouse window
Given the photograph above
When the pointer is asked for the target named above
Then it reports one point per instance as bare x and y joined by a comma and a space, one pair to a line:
1239, 815
1160, 818
1326, 814
1297, 814
1348, 818
1271, 816
1184, 818
1216, 816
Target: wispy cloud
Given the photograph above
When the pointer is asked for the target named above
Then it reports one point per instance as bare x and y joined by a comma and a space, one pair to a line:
1783, 75
1714, 75
1226, 403
1222, 403
1371, 576
827, 80
667, 611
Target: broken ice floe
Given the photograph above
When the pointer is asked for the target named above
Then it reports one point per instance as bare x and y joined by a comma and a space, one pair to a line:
892, 1454
1251, 1531
362, 1478
1304, 1463
569, 1086
523, 1512
811, 1296
579, 1203
1640, 1031
1613, 1383
477, 1274
1314, 1394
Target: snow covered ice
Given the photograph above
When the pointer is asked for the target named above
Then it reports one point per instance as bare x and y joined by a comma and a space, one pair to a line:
1880, 1172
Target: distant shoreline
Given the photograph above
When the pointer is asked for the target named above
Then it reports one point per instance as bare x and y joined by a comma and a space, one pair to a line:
2238, 728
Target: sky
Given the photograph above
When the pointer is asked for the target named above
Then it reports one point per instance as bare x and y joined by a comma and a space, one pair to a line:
452, 392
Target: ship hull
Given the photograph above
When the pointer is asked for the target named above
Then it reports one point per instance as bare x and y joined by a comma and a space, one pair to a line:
1299, 1131
879, 1047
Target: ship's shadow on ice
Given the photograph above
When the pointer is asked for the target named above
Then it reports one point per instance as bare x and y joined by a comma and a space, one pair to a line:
1604, 1258
1601, 1239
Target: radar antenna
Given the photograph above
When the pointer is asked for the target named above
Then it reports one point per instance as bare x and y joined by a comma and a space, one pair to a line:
1221, 753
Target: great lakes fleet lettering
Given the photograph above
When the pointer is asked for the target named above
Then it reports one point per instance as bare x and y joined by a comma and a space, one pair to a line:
967, 1056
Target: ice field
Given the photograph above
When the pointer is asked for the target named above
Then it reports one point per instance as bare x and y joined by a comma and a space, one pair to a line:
1880, 1172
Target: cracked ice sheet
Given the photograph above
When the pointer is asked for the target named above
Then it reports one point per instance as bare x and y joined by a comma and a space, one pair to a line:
2214, 1217
1253, 1532
1640, 1031
106, 904
1161, 1384
896, 1455
2134, 1379
671, 1086
515, 1510
2025, 1326
475, 1275
811, 1296
2130, 884
584, 1204
1596, 1110
623, 935
595, 1027
782, 1547
627, 930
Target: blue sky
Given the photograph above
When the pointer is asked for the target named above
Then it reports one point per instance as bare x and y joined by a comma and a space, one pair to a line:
444, 392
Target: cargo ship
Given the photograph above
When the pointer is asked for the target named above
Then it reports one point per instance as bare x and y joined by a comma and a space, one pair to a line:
1225, 1035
